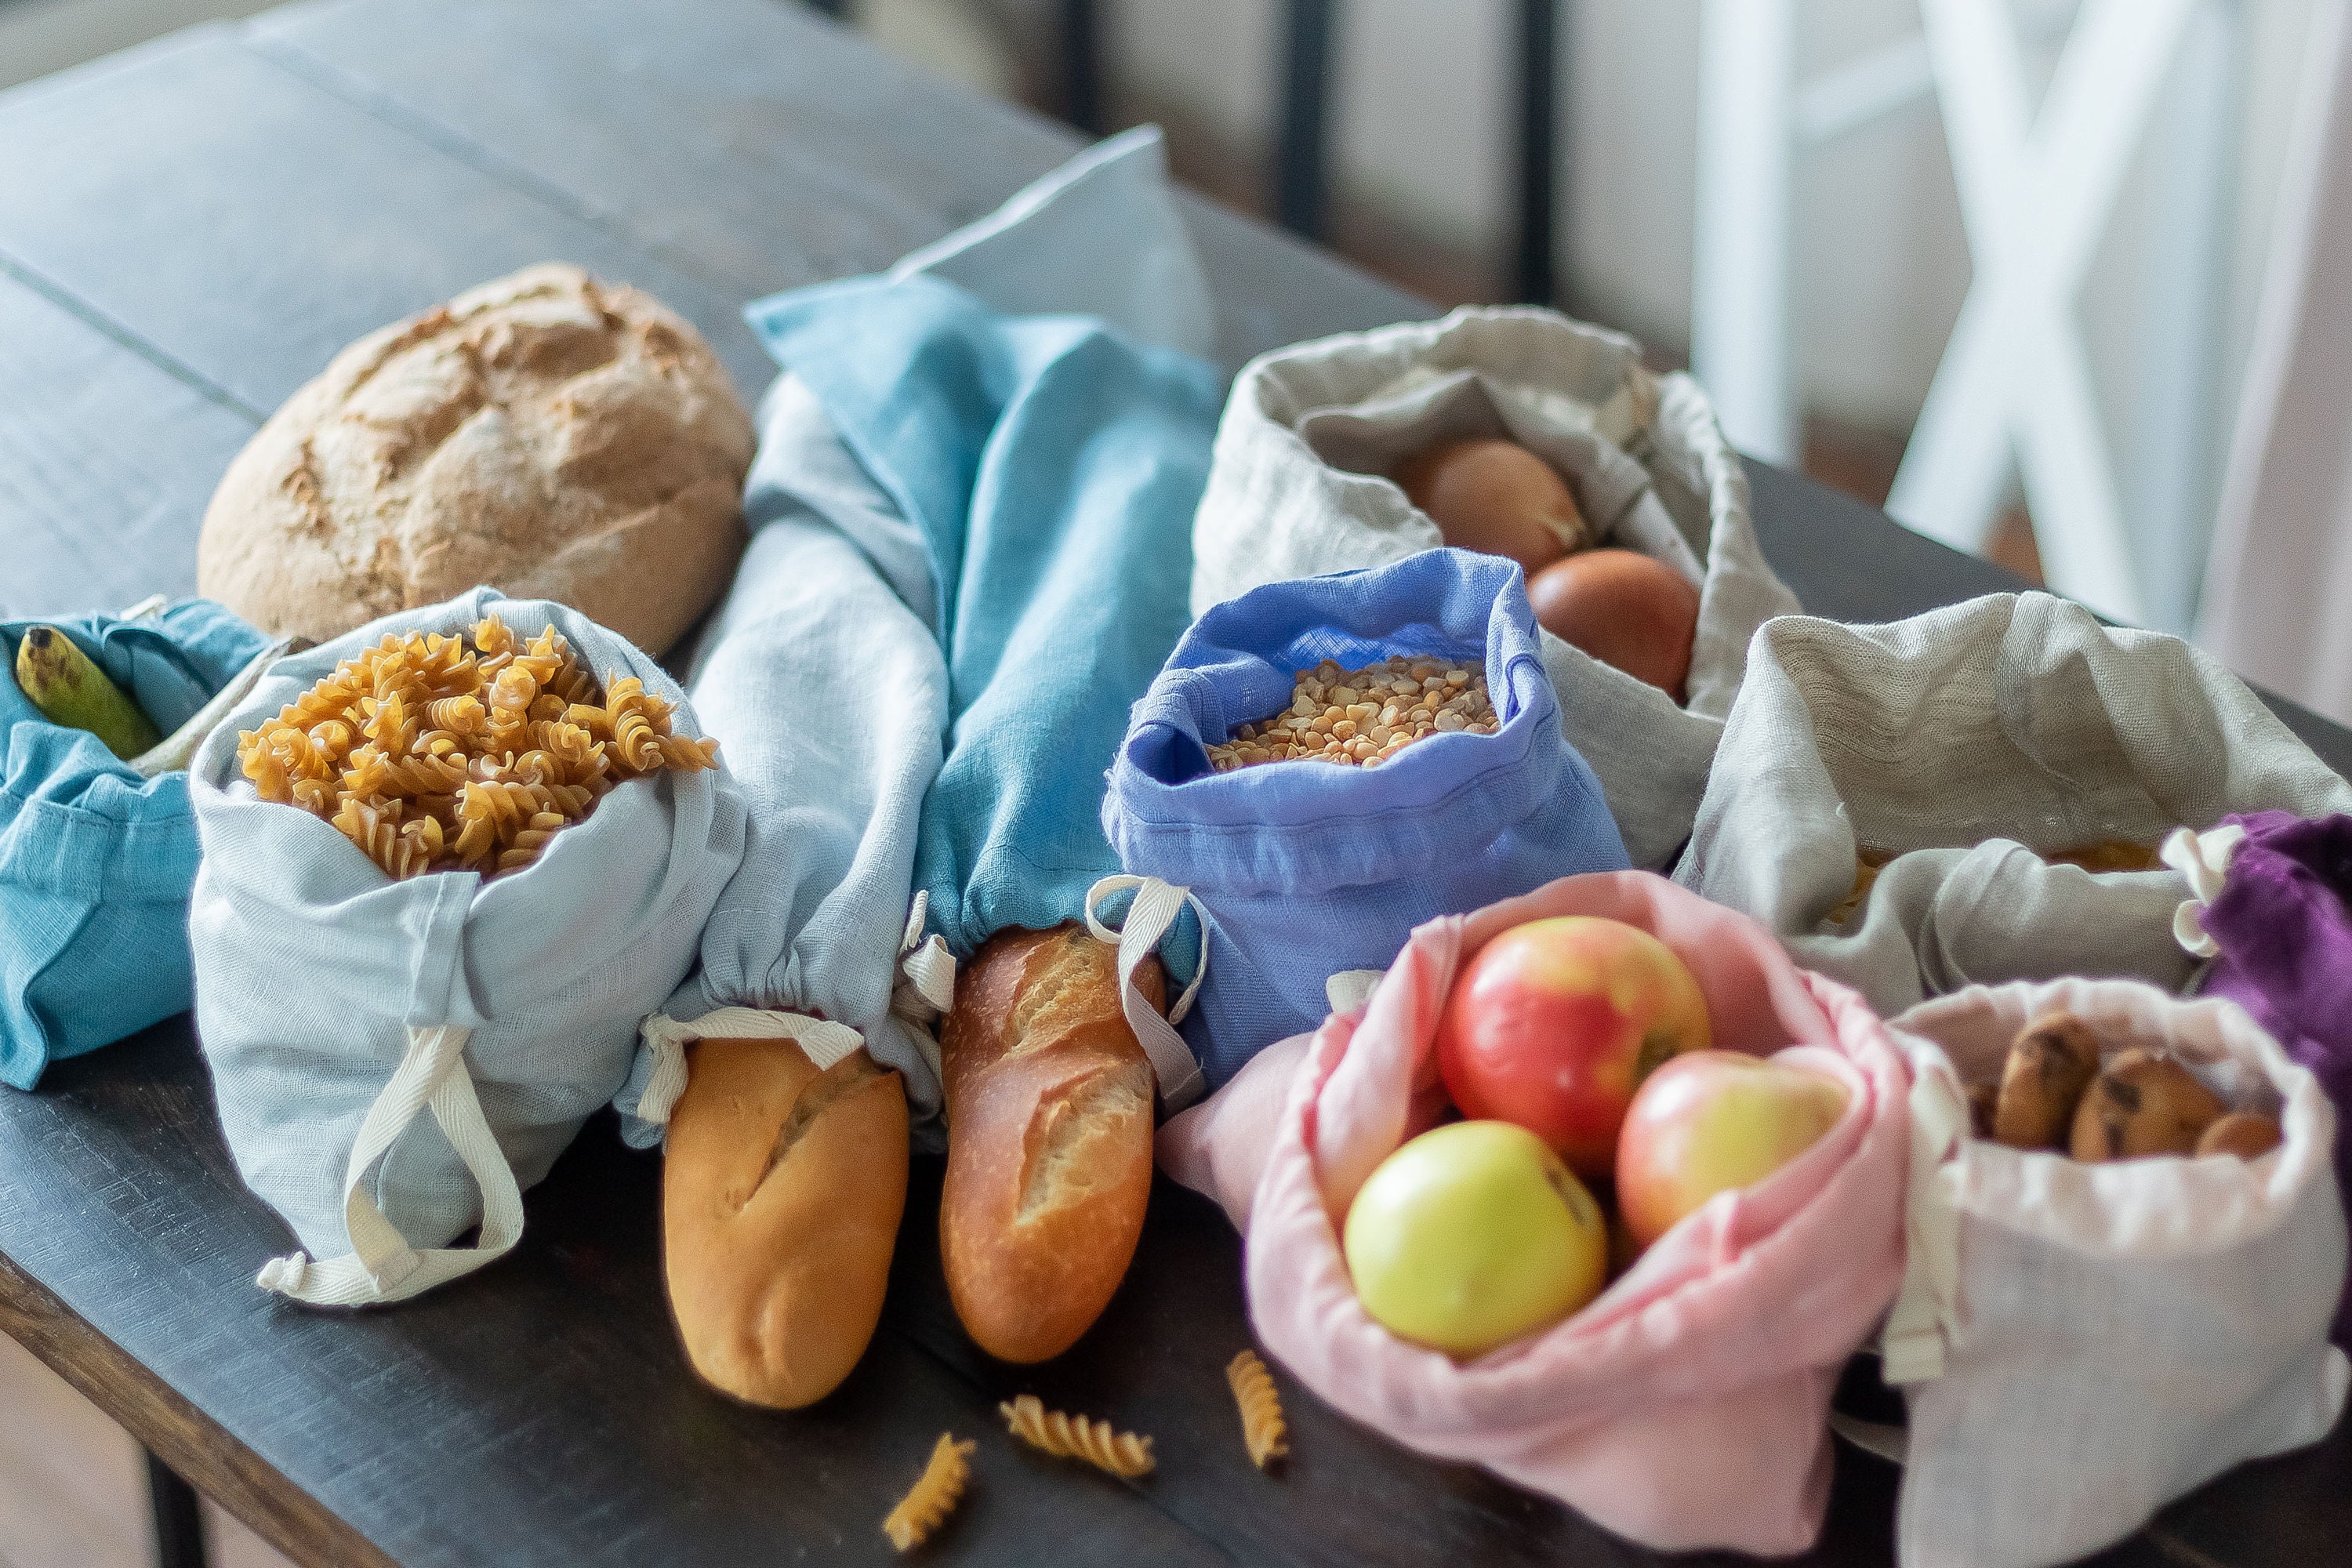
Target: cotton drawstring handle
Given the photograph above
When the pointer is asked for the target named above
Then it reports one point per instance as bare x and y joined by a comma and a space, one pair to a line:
823, 1042
2204, 859
382, 1266
1149, 919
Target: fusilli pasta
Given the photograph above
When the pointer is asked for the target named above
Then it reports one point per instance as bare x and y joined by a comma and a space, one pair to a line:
439, 753
1262, 1427
1075, 1437
934, 1497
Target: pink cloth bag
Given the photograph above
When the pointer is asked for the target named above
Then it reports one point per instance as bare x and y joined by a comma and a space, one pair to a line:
1686, 1407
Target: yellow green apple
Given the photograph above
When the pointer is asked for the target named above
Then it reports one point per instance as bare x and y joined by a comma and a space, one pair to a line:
1709, 1121
1472, 1235
1554, 1024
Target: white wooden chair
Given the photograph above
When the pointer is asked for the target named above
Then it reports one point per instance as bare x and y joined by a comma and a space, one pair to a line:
2036, 191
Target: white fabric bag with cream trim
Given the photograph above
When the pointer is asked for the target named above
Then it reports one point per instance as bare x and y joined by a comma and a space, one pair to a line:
2080, 1344
1968, 743
337, 1006
1297, 490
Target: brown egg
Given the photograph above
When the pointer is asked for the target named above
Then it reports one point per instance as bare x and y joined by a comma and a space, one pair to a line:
1624, 609
1496, 497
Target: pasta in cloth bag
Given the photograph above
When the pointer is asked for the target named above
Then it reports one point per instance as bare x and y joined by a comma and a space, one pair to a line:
2269, 907
822, 677
1297, 490
1969, 749
2082, 1344
1307, 870
337, 1005
96, 855
1051, 464
1687, 1406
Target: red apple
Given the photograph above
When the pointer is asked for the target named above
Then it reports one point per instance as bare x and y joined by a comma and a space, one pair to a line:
1556, 1023
1708, 1121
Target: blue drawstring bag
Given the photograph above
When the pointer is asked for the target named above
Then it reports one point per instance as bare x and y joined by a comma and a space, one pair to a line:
1052, 465
95, 861
1307, 870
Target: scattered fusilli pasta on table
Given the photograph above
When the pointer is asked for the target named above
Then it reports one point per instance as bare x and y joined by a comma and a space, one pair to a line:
934, 1496
1075, 1437
1262, 1427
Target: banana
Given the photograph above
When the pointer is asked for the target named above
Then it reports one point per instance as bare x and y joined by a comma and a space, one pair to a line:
69, 689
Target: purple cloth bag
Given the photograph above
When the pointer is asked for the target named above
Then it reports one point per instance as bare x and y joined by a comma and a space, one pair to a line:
2283, 922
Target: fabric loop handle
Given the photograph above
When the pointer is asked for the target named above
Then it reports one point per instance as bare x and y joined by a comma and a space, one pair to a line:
1919, 1327
2204, 859
925, 988
382, 1266
823, 1042
1149, 919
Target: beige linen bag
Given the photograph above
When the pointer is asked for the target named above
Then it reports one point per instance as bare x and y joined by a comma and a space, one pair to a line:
1968, 743
1295, 489
2080, 1344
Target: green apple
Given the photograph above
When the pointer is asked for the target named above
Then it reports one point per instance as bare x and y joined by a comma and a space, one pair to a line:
1472, 1235
1708, 1121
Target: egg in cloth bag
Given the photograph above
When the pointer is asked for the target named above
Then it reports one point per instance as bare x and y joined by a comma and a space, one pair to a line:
397, 1059
1313, 460
1685, 1406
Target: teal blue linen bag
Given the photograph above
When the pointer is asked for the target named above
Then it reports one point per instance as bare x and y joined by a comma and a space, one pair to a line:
1052, 465
95, 861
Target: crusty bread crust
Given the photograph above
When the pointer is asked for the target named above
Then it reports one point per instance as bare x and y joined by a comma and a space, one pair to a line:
1049, 1139
781, 1199
551, 435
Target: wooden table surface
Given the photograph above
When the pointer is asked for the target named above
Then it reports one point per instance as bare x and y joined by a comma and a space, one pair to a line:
187, 232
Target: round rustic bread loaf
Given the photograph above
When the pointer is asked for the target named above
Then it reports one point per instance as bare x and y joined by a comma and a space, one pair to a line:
551, 435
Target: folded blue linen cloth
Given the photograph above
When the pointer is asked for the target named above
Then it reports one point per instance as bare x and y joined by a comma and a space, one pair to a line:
95, 861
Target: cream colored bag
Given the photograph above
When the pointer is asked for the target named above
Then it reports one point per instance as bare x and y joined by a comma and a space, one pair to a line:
1963, 742
1295, 491
2081, 1343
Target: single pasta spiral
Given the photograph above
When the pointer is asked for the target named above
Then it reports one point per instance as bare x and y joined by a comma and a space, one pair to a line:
1262, 1427
935, 1494
1075, 1437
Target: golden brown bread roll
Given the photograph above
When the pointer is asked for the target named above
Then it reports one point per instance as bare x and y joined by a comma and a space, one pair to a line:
2143, 1104
2054, 1061
2245, 1133
1049, 1139
781, 1198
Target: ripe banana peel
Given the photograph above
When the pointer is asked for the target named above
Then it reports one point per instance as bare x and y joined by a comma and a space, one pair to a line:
61, 681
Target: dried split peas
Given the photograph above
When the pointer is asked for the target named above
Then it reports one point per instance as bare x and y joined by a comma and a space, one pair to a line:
1361, 718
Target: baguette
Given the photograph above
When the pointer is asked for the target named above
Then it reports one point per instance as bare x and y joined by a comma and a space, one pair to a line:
781, 1201
1049, 1139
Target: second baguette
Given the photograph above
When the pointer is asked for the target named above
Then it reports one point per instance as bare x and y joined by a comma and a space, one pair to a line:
1049, 1139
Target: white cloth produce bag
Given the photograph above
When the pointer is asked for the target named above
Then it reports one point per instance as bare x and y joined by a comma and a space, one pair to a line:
1297, 490
2080, 1344
336, 1005
822, 675
1962, 742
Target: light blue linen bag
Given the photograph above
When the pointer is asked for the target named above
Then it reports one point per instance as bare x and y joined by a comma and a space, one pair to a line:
824, 678
1307, 870
1052, 465
95, 860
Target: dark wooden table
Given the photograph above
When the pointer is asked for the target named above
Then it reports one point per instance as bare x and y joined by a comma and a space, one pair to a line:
187, 232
